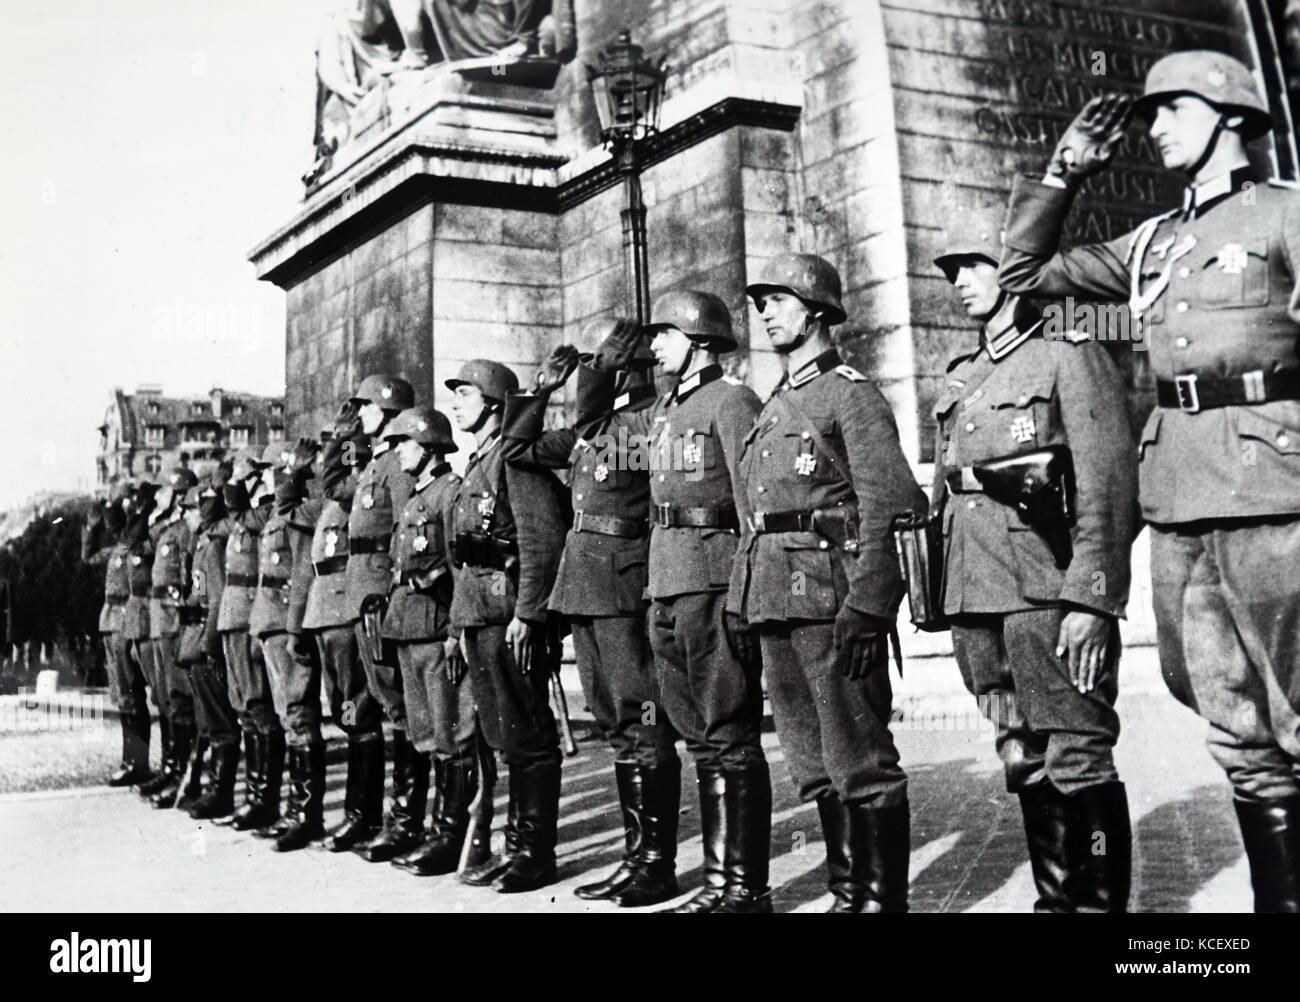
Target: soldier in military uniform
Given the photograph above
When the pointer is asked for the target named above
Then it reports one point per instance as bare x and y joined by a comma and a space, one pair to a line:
171, 572
823, 474
103, 542
507, 534
600, 588
373, 499
707, 668
249, 505
1213, 284
439, 701
290, 651
1035, 630
201, 648
141, 672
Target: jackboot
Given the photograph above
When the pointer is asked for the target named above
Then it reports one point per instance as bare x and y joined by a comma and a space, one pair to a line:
218, 798
712, 787
363, 799
306, 814
747, 806
135, 751
657, 795
182, 741
627, 782
264, 808
839, 867
455, 785
1271, 832
193, 788
404, 827
1046, 813
880, 845
533, 866
486, 872
1102, 837
252, 770
167, 768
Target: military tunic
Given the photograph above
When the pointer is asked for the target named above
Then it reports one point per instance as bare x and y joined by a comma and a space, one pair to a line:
246, 675
1002, 588
601, 581
126, 683
170, 577
1215, 284
201, 646
135, 613
439, 714
825, 441
694, 435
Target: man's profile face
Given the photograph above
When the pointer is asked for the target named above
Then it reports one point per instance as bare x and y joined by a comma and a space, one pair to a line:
466, 406
372, 417
976, 282
1181, 128
786, 318
671, 349
410, 454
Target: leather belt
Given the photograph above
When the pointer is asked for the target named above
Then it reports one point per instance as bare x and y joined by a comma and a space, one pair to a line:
334, 565
962, 480
116, 601
272, 584
241, 581
667, 516
141, 592
609, 525
368, 544
165, 591
781, 521
193, 615
1192, 393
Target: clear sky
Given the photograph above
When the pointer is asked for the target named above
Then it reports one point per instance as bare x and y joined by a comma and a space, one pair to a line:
149, 144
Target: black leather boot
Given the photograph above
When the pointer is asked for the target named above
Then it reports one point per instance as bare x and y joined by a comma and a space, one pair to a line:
403, 829
363, 800
712, 789
839, 871
747, 807
218, 799
1271, 832
1046, 814
455, 785
306, 815
538, 805
193, 788
182, 741
135, 751
657, 796
880, 845
625, 779
486, 872
1102, 840
264, 808
167, 768
252, 772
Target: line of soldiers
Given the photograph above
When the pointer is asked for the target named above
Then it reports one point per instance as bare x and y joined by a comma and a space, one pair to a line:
708, 542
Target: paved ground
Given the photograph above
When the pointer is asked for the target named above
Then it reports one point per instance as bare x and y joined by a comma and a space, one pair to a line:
87, 848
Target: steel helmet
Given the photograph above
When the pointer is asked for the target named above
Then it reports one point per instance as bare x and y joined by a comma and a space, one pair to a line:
1216, 78
701, 316
392, 393
807, 276
970, 237
180, 480
494, 380
428, 427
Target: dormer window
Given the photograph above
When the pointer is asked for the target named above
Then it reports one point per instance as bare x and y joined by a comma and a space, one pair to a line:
239, 437
275, 433
155, 435
277, 410
153, 407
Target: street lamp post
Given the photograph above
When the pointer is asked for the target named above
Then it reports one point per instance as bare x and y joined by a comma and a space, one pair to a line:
629, 90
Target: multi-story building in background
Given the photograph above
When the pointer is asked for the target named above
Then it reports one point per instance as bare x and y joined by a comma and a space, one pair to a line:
145, 432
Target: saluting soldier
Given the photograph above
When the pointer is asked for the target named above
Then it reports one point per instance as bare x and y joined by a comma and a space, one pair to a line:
202, 649
135, 613
1034, 608
1213, 285
823, 474
439, 701
171, 572
249, 504
377, 494
600, 588
104, 542
507, 534
708, 670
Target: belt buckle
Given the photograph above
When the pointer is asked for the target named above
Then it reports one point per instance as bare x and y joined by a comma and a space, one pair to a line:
662, 510
758, 521
577, 521
1188, 399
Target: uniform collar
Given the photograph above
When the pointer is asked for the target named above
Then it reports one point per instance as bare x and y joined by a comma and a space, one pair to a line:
633, 396
429, 476
1199, 198
1008, 329
709, 374
806, 373
380, 447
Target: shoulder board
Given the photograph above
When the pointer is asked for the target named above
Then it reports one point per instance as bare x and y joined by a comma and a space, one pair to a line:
1277, 182
850, 373
728, 378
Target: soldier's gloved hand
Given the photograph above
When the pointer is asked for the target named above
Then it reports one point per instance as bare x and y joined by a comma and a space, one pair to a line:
618, 347
861, 643
1091, 140
1084, 642
557, 369
742, 639
303, 456
347, 422
456, 666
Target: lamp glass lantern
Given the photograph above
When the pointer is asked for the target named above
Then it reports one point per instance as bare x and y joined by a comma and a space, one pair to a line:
628, 90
